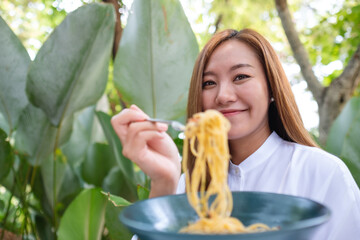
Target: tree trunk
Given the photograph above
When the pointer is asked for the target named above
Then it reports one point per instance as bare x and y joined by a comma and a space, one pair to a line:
118, 27
330, 99
117, 38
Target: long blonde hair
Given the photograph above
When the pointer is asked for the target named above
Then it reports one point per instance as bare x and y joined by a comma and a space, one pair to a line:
284, 116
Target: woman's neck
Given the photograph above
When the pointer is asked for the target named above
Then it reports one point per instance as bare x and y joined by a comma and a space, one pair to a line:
242, 148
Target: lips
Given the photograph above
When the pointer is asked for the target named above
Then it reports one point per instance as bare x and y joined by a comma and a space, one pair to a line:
230, 112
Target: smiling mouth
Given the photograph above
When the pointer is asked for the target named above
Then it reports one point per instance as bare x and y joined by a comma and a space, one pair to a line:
228, 113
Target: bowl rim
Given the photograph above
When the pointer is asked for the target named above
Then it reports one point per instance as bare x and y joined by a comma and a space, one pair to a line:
302, 224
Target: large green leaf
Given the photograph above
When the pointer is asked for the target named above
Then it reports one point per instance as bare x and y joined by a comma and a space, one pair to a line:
40, 193
117, 231
53, 179
116, 183
85, 217
155, 59
342, 126
6, 155
97, 164
59, 183
3, 124
75, 149
125, 165
71, 186
344, 137
86, 130
70, 70
36, 136
116, 201
14, 62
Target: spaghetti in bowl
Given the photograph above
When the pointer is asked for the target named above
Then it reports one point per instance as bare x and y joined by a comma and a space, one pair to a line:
162, 218
210, 209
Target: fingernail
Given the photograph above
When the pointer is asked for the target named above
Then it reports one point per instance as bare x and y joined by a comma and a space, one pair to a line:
133, 106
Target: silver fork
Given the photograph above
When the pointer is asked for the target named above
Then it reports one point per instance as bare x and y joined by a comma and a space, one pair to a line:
178, 126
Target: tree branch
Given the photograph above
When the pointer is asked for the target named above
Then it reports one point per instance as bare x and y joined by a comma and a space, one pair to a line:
350, 77
338, 94
218, 21
117, 36
299, 51
220, 17
118, 27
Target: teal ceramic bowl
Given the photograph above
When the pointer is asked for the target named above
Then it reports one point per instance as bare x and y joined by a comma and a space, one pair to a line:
161, 218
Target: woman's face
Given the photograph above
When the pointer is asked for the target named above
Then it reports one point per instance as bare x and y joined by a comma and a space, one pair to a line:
234, 83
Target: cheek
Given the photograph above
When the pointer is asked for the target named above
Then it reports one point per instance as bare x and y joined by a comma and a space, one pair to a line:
261, 105
206, 99
260, 94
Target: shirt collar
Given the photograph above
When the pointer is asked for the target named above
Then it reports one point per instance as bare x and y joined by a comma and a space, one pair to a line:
259, 156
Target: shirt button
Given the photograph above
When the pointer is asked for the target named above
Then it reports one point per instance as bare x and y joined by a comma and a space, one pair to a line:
237, 171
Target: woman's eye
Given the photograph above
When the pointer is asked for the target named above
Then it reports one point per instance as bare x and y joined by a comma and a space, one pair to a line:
240, 77
208, 84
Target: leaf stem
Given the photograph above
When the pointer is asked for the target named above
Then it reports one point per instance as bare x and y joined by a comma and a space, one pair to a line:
54, 178
54, 193
23, 200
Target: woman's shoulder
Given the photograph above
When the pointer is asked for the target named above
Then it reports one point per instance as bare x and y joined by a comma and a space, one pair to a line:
323, 169
320, 163
321, 176
313, 155
298, 153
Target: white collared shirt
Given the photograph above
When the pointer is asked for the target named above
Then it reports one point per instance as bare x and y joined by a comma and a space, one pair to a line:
280, 166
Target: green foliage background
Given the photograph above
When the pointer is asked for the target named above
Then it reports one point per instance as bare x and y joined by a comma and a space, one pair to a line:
56, 138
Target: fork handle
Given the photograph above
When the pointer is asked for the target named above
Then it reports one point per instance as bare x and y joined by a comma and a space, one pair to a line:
159, 120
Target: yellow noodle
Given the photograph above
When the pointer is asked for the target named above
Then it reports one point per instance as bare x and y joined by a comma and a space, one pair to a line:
206, 134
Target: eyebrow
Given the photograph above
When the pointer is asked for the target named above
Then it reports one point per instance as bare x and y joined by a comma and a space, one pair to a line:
240, 65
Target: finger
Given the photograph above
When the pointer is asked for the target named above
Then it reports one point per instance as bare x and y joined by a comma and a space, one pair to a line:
134, 107
129, 115
156, 164
136, 147
160, 126
122, 120
136, 128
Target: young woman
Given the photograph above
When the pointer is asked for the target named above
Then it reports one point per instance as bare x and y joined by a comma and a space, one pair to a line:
240, 75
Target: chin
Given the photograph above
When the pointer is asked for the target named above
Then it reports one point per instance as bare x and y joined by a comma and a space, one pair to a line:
238, 133
235, 136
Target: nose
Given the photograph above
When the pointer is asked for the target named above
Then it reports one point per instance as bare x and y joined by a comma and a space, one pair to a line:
226, 94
